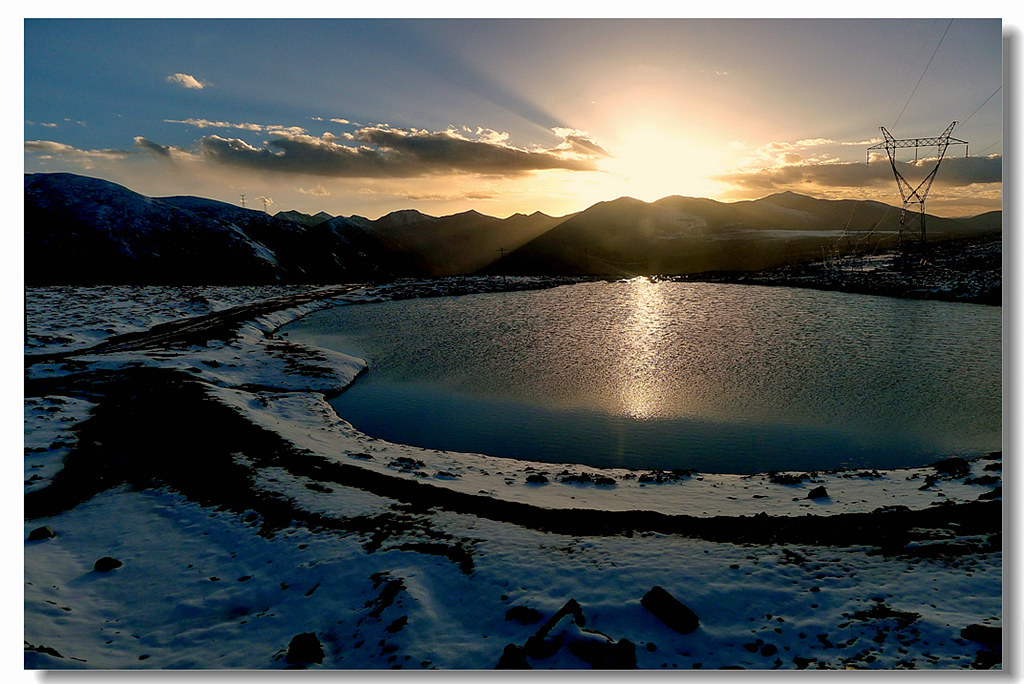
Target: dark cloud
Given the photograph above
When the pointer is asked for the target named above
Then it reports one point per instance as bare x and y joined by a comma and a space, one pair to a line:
149, 145
386, 152
584, 146
954, 172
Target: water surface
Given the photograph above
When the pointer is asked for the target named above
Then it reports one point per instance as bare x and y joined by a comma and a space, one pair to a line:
717, 377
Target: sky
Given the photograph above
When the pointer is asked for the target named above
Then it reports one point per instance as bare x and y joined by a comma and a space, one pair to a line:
368, 116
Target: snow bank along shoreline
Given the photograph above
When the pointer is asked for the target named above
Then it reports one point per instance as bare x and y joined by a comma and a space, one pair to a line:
219, 412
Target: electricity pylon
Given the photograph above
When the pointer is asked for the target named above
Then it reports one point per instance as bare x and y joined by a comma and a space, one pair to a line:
914, 195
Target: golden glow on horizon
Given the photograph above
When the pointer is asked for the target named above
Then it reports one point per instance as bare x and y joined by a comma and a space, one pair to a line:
652, 162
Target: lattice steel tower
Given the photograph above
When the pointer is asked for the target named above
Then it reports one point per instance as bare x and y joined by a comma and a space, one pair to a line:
912, 215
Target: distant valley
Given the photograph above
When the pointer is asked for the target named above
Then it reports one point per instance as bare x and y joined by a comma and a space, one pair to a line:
81, 230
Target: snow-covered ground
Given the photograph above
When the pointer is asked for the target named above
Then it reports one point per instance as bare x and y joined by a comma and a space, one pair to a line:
398, 557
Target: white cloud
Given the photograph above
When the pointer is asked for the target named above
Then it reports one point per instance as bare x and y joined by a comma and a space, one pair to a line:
273, 129
186, 81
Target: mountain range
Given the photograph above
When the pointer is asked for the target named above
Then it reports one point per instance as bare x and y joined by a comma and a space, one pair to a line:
81, 230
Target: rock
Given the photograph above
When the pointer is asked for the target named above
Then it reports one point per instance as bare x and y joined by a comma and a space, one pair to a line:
513, 658
954, 467
769, 650
540, 645
996, 493
48, 650
523, 615
40, 533
986, 660
620, 655
536, 478
669, 610
983, 634
106, 564
305, 648
818, 492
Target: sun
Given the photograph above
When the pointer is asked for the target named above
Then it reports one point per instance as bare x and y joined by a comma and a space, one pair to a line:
651, 161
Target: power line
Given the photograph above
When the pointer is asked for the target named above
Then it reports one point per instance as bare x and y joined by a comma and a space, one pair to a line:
922, 74
981, 105
987, 148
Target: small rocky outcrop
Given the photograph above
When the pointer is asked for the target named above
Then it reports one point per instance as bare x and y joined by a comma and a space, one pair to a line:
40, 533
565, 629
513, 658
106, 564
818, 492
983, 634
304, 649
670, 610
952, 467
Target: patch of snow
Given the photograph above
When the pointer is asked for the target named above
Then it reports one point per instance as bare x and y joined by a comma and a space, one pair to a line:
383, 584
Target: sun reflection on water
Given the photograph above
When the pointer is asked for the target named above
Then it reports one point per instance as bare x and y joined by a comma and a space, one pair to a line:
642, 382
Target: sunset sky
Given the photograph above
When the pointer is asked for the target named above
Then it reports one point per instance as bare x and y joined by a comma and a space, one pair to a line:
502, 116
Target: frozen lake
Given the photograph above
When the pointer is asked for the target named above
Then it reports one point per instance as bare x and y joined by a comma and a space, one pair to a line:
715, 377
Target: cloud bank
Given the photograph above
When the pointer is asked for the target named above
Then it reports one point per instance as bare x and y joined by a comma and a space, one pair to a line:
383, 151
954, 172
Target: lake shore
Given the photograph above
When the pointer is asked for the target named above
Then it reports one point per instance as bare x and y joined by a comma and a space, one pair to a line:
194, 455
962, 270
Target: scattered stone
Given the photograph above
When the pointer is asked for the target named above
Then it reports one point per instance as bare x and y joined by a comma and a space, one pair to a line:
952, 467
996, 493
983, 480
585, 478
662, 476
406, 464
305, 648
40, 533
986, 660
818, 492
669, 610
513, 658
983, 634
106, 564
398, 624
43, 649
769, 650
523, 615
537, 478
802, 663
881, 611
786, 478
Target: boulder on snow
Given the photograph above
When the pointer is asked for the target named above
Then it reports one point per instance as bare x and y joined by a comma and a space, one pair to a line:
818, 492
305, 648
953, 467
40, 533
983, 634
605, 654
565, 628
106, 564
669, 610
513, 658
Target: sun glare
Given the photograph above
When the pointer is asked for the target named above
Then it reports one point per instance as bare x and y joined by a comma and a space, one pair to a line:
650, 162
